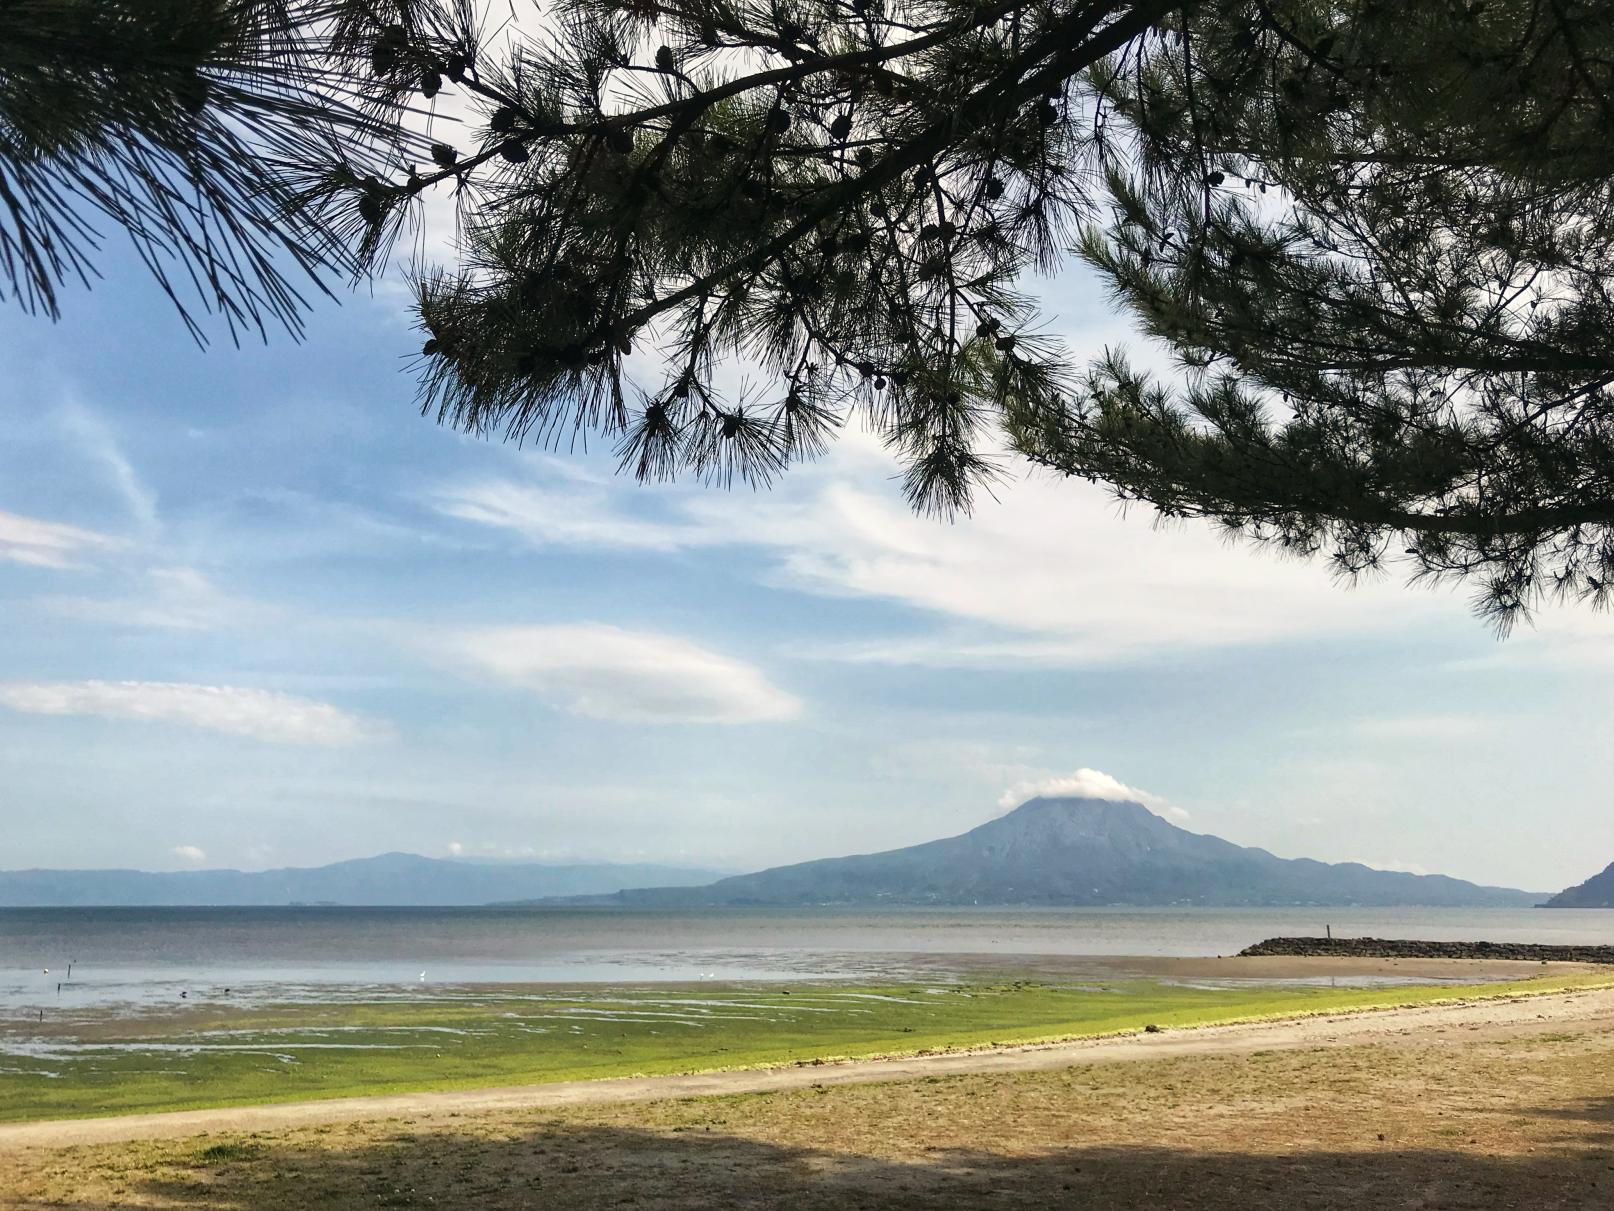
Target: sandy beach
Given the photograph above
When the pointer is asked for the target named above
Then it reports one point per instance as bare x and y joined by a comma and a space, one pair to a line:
1486, 1104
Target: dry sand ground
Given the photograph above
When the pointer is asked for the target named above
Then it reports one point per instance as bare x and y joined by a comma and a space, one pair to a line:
1488, 1105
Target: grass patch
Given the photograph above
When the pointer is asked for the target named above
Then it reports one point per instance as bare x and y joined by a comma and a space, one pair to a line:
225, 1153
467, 1038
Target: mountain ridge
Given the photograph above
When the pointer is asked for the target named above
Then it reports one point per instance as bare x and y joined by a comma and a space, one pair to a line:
1595, 892
1078, 852
393, 878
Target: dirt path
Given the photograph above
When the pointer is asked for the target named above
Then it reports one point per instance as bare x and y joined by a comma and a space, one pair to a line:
1463, 1021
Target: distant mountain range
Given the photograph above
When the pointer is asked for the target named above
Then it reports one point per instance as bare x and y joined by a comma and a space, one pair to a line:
1051, 851
392, 879
1596, 892
1076, 852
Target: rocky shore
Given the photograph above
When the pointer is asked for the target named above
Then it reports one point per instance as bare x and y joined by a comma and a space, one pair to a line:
1406, 948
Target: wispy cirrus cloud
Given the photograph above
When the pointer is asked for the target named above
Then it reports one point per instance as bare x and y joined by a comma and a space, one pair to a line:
169, 598
48, 544
256, 714
1050, 573
91, 433
576, 511
606, 672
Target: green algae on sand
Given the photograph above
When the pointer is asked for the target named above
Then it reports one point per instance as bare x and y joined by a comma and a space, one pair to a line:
477, 1037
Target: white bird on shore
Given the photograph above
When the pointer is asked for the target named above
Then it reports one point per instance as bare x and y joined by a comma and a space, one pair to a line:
423, 977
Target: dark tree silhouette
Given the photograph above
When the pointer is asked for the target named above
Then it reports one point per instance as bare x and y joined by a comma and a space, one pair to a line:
1376, 234
1380, 239
839, 194
190, 125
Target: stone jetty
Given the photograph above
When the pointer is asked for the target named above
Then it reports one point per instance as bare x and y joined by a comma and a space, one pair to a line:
1406, 948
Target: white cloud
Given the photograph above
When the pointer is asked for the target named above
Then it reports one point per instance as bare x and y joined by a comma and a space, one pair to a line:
1055, 576
258, 714
455, 849
1087, 783
175, 598
1048, 574
191, 853
605, 672
47, 544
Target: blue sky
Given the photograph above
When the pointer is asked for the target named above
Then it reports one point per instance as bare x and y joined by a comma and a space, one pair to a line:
259, 612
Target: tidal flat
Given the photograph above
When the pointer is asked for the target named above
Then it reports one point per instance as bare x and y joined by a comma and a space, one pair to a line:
1483, 1104
199, 1056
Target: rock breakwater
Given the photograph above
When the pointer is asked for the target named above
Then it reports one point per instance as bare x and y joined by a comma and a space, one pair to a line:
1406, 948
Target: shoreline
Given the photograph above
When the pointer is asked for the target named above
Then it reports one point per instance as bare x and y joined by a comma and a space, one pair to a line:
1518, 1012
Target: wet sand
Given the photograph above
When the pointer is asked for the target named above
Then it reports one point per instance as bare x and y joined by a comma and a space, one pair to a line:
91, 1023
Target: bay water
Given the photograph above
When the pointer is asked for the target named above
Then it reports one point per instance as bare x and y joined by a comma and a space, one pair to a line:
107, 958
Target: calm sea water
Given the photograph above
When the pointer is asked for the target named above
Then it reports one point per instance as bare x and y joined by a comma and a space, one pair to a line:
124, 956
